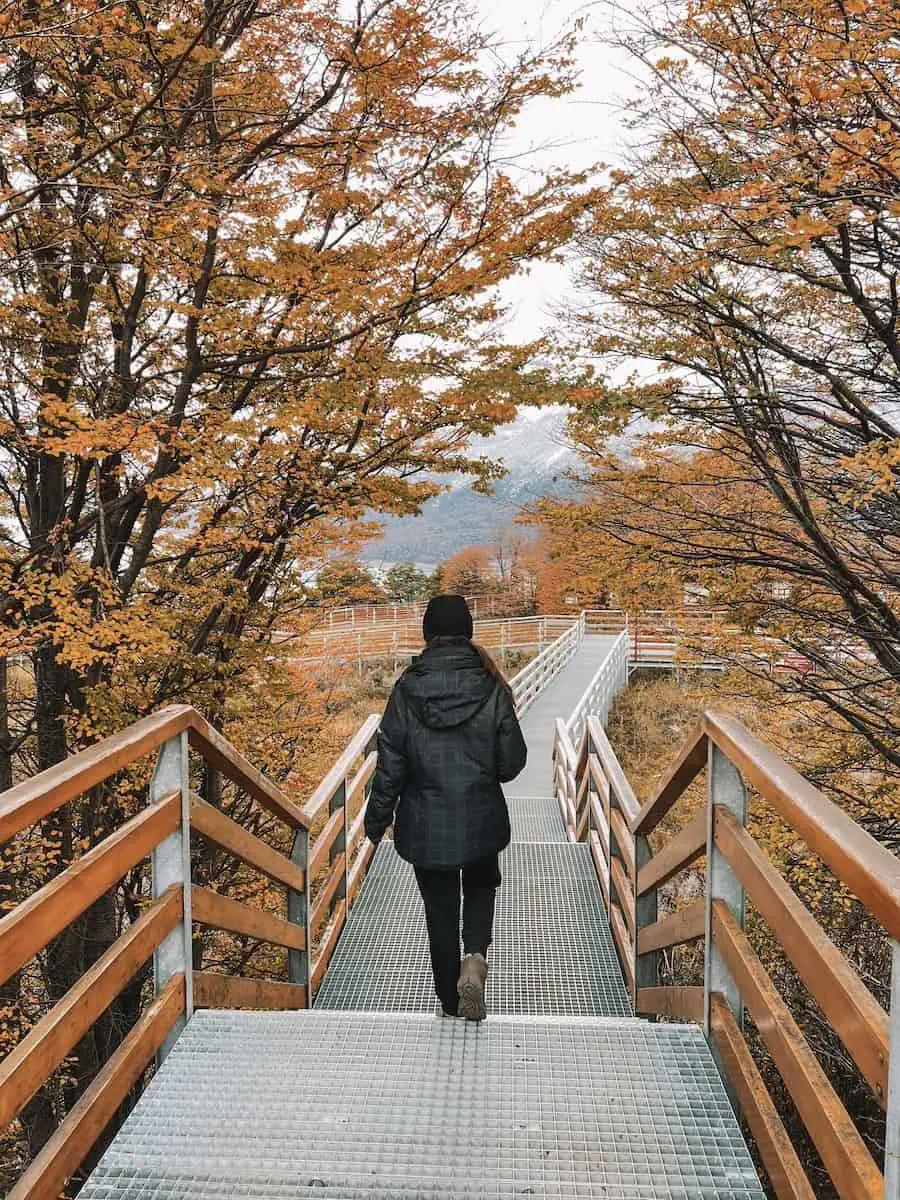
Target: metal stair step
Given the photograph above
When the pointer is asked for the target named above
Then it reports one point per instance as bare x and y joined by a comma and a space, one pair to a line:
337, 1105
535, 819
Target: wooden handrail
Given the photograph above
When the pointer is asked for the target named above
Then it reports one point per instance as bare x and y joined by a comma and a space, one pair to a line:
356, 829
211, 908
775, 1149
212, 990
42, 794
869, 869
51, 1168
685, 848
624, 840
219, 752
564, 742
323, 900
228, 835
29, 1064
624, 894
599, 855
327, 948
338, 773
689, 763
362, 776
37, 920
854, 1013
358, 870
840, 1146
679, 927
35, 798
613, 771
323, 843
623, 942
679, 1003
33, 923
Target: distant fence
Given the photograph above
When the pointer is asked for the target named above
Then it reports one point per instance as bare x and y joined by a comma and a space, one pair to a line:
404, 638
353, 616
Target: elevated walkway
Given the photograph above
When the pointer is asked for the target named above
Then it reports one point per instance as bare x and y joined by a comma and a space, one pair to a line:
558, 699
561, 1093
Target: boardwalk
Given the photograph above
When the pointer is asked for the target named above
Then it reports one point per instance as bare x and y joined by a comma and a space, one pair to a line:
561, 1093
558, 700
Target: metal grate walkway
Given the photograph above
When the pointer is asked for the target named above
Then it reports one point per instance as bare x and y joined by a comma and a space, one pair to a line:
553, 951
562, 1093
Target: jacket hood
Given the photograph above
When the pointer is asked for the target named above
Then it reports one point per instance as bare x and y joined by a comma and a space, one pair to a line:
447, 685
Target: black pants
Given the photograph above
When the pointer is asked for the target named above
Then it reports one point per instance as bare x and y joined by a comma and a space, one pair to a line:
441, 896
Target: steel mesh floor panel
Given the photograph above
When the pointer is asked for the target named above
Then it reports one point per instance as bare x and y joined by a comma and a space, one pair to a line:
553, 952
535, 819
341, 1105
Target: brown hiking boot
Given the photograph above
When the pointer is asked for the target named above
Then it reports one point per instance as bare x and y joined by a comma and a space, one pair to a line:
472, 976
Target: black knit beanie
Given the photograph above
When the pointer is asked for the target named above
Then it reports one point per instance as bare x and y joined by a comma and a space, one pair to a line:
447, 616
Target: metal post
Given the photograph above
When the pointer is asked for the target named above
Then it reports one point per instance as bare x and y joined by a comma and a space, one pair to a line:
646, 966
298, 913
726, 787
339, 800
171, 864
892, 1141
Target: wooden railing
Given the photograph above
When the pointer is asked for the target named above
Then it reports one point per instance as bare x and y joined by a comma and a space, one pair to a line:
695, 638
320, 881
340, 854
600, 807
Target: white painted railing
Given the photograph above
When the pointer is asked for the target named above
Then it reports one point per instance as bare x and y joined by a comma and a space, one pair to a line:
356, 616
404, 639
528, 684
597, 700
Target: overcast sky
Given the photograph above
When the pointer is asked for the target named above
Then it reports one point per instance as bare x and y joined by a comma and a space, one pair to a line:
575, 131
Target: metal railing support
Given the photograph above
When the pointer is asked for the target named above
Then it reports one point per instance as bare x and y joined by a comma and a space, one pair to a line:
892, 1142
171, 864
338, 801
646, 966
298, 913
726, 788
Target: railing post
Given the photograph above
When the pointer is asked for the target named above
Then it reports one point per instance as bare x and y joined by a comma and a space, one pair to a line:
170, 864
339, 800
726, 788
298, 913
892, 1141
646, 966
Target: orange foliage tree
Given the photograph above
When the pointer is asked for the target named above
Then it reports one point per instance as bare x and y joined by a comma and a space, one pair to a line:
469, 572
746, 268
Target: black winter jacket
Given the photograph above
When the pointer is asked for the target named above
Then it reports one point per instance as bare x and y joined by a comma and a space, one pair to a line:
448, 738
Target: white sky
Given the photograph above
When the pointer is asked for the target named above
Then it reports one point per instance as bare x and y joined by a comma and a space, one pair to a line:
575, 131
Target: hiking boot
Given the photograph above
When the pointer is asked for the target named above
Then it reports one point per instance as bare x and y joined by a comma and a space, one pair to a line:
472, 976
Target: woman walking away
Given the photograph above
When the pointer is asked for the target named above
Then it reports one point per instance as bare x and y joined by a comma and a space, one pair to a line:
448, 739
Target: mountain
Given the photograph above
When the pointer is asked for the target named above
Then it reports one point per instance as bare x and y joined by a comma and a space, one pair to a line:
533, 450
